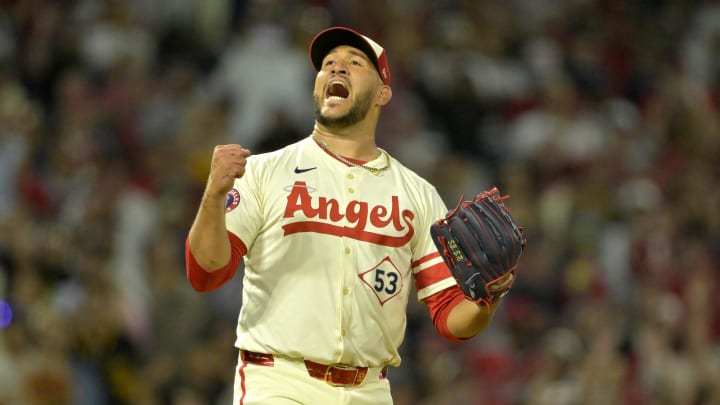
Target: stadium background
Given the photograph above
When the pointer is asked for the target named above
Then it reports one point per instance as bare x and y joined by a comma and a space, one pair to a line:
599, 118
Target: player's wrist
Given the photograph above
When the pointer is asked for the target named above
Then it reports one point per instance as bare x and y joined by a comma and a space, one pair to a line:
215, 191
214, 199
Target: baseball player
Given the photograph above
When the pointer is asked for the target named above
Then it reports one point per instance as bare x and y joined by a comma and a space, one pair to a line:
334, 234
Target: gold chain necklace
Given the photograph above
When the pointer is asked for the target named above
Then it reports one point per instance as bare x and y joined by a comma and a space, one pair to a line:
373, 170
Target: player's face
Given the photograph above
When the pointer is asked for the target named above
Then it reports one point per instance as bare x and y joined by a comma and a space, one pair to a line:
345, 88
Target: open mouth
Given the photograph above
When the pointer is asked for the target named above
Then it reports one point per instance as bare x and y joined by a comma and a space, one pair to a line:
336, 91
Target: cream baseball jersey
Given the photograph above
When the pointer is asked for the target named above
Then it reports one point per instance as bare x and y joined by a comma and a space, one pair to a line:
333, 252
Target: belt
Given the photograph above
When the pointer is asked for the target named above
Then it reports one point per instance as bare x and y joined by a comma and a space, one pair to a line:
337, 375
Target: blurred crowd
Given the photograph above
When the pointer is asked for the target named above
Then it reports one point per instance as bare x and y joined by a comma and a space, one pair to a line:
600, 118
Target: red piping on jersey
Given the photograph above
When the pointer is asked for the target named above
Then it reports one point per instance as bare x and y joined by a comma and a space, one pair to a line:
425, 258
241, 371
356, 161
431, 275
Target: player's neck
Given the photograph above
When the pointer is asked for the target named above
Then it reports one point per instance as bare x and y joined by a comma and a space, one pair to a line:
360, 146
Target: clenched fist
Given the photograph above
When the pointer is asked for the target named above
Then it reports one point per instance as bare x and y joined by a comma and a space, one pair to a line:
228, 163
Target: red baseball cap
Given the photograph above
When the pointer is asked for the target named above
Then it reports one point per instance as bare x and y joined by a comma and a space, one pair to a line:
327, 39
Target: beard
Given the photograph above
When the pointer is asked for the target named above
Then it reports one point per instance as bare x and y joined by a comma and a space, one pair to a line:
357, 112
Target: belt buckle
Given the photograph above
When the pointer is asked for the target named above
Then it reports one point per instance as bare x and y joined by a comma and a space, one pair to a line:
328, 372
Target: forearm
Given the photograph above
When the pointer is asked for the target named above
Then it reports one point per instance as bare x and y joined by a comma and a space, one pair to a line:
208, 237
467, 318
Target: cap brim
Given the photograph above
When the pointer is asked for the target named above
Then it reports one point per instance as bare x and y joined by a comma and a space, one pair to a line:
330, 38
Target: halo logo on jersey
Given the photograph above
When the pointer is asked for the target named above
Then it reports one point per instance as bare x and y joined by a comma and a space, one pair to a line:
233, 199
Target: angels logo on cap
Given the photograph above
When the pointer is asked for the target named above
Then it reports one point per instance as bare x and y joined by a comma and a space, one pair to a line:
332, 37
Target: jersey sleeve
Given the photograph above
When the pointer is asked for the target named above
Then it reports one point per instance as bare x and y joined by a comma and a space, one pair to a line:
204, 281
430, 272
436, 287
440, 305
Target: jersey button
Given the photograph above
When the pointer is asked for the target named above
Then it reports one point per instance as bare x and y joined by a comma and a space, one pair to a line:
350, 176
351, 190
346, 291
347, 251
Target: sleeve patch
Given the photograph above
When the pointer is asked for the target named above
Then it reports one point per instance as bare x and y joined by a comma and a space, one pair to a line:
233, 200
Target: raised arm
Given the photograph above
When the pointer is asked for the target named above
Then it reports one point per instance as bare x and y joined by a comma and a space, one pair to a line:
208, 239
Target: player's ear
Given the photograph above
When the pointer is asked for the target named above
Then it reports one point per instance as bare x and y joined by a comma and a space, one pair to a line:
385, 95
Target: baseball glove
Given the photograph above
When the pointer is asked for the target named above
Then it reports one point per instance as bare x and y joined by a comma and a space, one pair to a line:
481, 244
